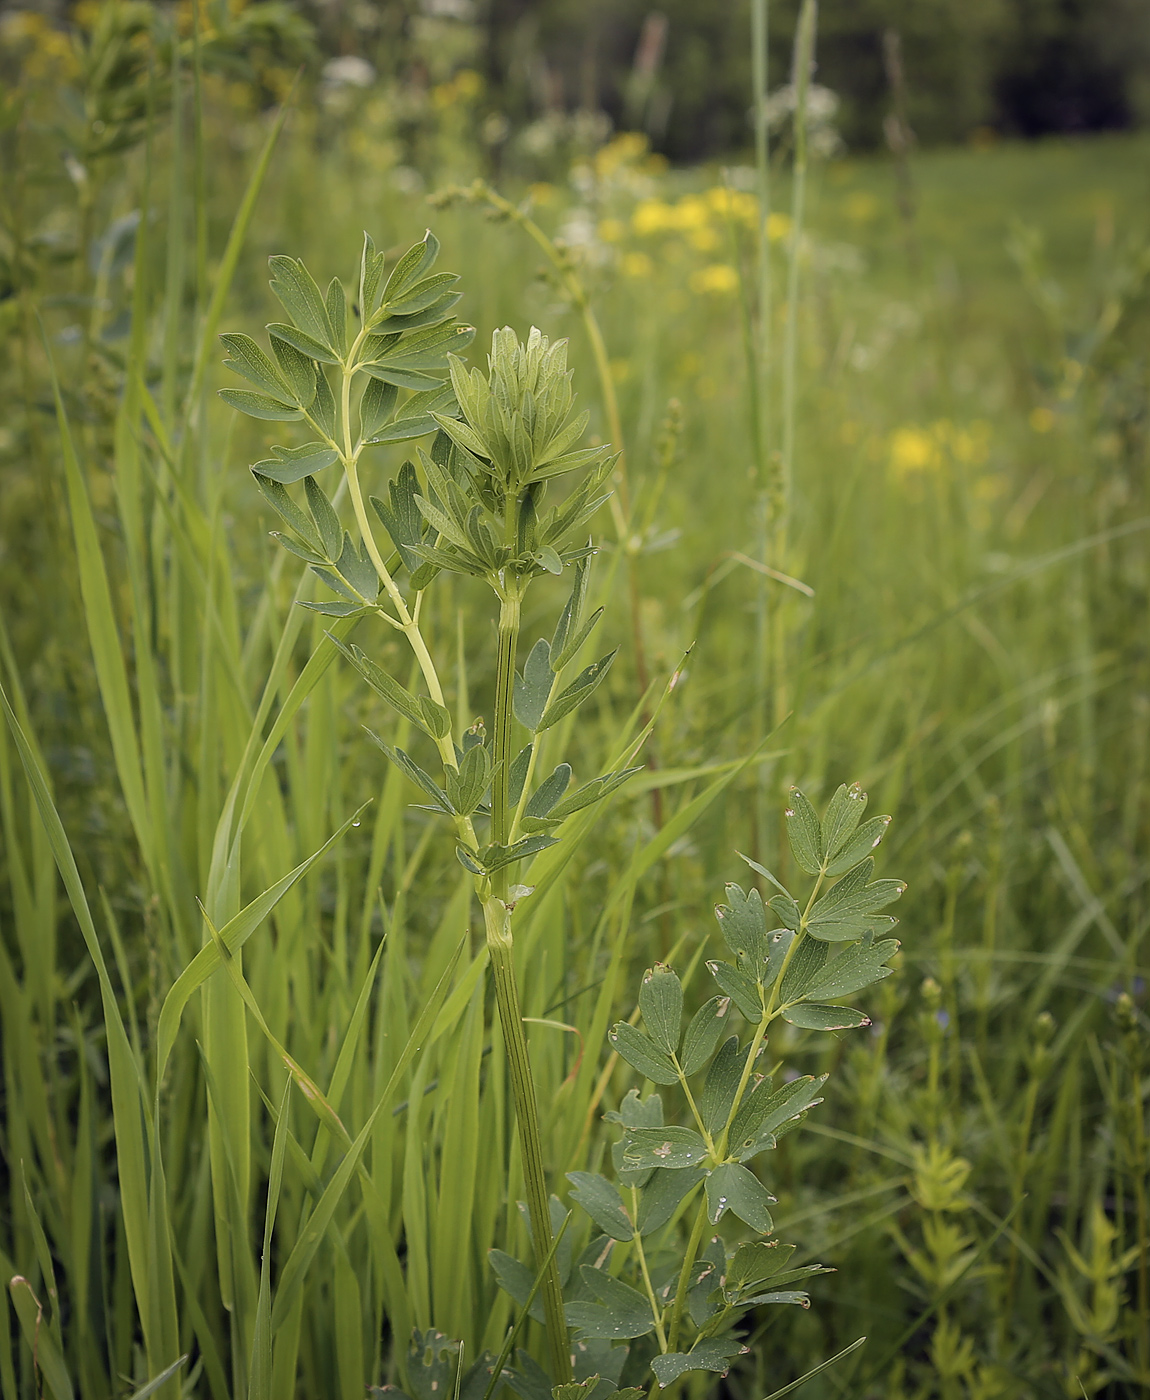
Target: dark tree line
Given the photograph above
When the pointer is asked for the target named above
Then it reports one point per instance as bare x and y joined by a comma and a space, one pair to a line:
1022, 67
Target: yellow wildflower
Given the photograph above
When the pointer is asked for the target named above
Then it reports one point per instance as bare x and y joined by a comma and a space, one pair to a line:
44, 50
913, 450
778, 227
464, 87
733, 204
612, 230
86, 13
637, 265
705, 239
627, 147
717, 278
652, 216
691, 212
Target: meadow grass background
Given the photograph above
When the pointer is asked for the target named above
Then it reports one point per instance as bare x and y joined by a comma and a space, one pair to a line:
970, 512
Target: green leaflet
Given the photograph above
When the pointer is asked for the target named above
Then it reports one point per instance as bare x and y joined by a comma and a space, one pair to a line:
740, 988
714, 1354
661, 1195
732, 1187
620, 1312
804, 833
703, 1033
533, 688
661, 1002
859, 845
601, 1200
296, 291
260, 405
842, 816
289, 464
644, 1054
247, 359
722, 1081
466, 786
743, 923
825, 1018
662, 1147
856, 967
581, 688
397, 696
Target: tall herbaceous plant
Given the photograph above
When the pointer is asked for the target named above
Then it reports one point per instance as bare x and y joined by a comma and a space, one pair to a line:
645, 1290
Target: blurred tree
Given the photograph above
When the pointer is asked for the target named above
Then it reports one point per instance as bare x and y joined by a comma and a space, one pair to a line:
1021, 66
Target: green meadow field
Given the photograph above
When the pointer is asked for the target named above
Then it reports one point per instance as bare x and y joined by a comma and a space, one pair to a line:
880, 517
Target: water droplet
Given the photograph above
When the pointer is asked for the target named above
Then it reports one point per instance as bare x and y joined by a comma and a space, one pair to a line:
790, 812
722, 1200
356, 822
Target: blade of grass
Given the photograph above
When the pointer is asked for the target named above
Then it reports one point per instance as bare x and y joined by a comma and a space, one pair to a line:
156, 1303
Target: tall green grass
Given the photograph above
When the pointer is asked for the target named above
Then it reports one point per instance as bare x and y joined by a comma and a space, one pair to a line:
176, 730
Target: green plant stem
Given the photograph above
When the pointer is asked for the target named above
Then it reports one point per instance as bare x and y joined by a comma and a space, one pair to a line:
497, 919
759, 353
702, 1127
804, 53
803, 56
1138, 1176
1018, 1185
510, 602
408, 622
770, 1012
656, 1310
685, 1274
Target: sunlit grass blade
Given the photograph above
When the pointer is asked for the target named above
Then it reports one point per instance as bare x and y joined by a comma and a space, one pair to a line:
292, 1277
232, 936
259, 1386
150, 1273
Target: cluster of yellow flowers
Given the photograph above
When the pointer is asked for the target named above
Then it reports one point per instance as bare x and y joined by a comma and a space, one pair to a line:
703, 218
42, 51
702, 222
458, 91
626, 156
917, 454
929, 450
